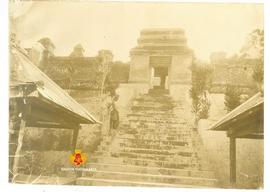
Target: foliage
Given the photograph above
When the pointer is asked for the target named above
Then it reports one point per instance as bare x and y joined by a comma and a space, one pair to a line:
232, 97
45, 163
255, 43
258, 72
109, 85
47, 139
75, 72
78, 51
200, 84
120, 72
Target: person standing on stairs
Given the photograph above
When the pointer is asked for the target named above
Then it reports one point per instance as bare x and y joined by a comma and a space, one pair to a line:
114, 116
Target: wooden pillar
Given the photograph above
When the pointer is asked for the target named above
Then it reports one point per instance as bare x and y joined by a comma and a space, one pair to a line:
232, 161
25, 110
74, 143
75, 137
19, 147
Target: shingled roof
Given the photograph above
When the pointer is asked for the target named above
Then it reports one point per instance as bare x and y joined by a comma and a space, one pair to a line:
23, 71
252, 108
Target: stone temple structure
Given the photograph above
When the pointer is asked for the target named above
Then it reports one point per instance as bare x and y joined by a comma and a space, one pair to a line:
161, 60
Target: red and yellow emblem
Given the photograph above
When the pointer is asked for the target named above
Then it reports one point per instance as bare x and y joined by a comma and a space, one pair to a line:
78, 158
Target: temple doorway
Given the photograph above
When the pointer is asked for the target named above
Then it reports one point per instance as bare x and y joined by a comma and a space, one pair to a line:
159, 77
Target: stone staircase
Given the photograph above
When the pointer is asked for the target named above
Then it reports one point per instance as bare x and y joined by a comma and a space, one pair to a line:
154, 146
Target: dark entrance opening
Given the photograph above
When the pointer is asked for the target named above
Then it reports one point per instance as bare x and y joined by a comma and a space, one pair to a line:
161, 73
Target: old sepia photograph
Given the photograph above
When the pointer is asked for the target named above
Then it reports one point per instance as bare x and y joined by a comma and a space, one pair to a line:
136, 94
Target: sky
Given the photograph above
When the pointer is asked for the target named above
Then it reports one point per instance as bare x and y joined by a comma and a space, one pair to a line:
116, 25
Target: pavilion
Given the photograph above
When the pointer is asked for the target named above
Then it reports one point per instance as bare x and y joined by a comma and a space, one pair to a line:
36, 101
245, 121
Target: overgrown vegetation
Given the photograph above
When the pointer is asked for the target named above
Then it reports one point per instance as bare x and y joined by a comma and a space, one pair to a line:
201, 82
232, 98
254, 46
119, 74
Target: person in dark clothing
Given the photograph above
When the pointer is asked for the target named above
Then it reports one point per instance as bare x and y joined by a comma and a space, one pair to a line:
114, 115
114, 119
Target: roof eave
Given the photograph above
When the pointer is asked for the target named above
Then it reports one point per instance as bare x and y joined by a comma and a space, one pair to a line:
224, 126
83, 119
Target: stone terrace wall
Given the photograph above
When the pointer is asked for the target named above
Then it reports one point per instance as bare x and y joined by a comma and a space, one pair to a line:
75, 72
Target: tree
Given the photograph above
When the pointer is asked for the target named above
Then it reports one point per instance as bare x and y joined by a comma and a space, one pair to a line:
49, 47
232, 98
109, 85
78, 51
255, 45
258, 72
199, 91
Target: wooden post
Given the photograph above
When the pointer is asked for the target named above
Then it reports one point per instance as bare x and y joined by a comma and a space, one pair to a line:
232, 161
74, 143
25, 110
19, 147
75, 137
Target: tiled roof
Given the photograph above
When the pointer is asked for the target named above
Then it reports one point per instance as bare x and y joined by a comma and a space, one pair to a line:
246, 107
24, 71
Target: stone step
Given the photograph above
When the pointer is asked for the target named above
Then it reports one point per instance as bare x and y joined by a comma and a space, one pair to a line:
126, 182
151, 108
155, 119
149, 145
157, 90
185, 152
149, 136
149, 170
156, 139
148, 107
145, 162
122, 147
156, 100
126, 143
159, 121
156, 131
152, 105
153, 114
158, 124
151, 178
155, 157
173, 125
146, 144
174, 112
132, 139
151, 117
133, 123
